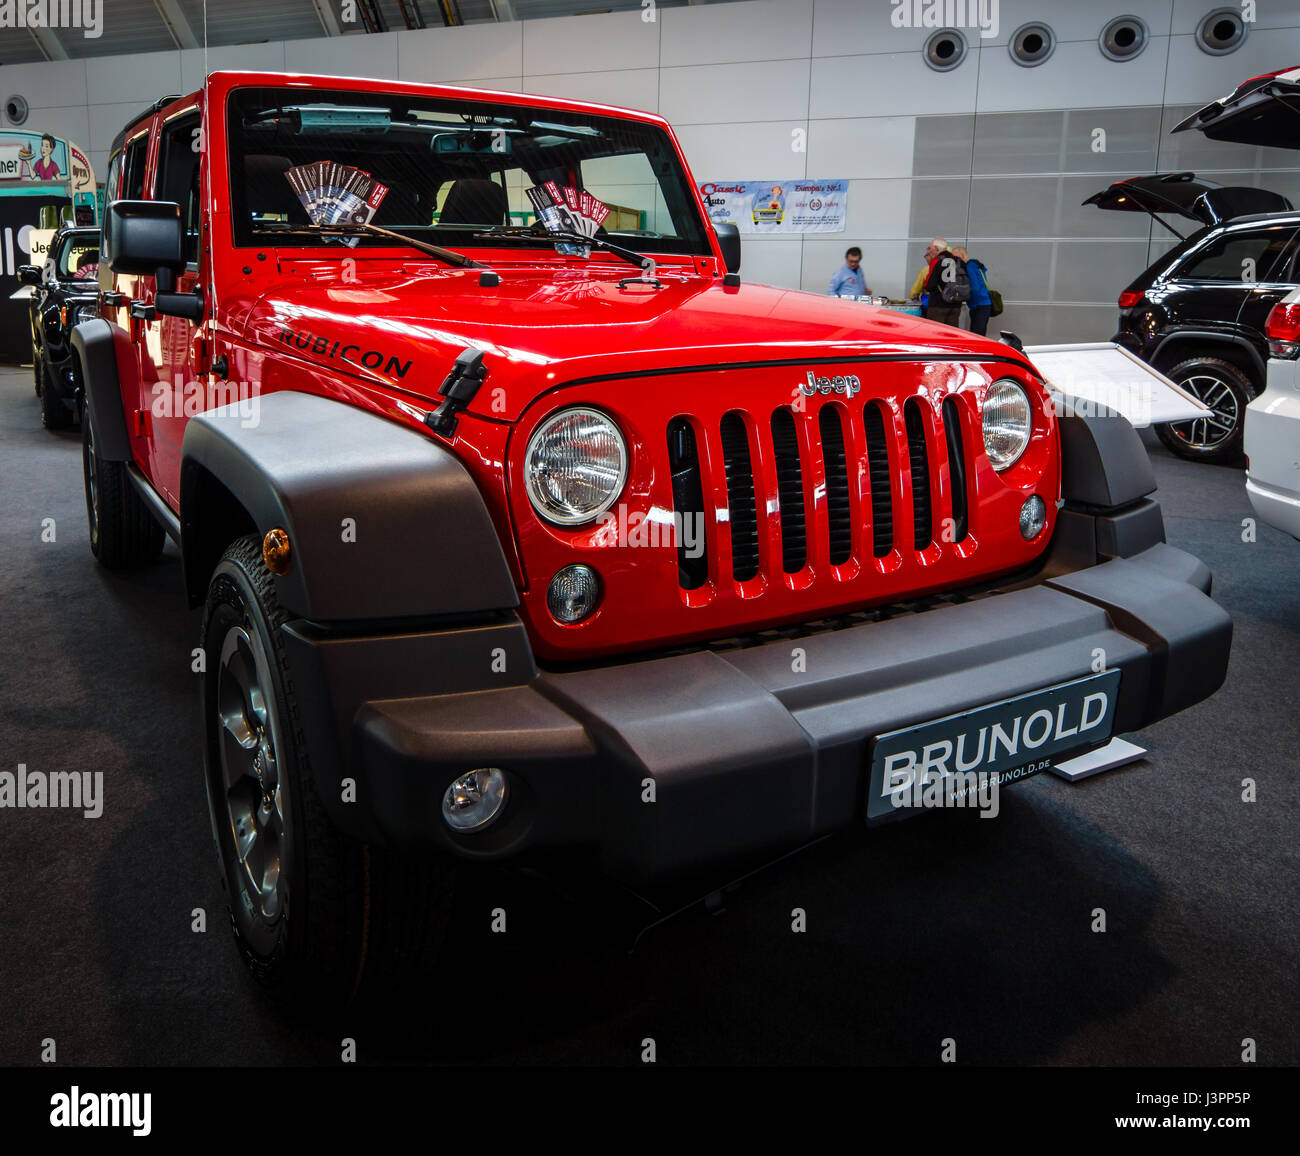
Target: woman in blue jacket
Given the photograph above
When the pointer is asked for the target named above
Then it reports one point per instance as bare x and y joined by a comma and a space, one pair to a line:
980, 303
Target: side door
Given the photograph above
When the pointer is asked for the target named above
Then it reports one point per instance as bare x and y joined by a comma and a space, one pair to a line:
127, 171
1220, 276
173, 353
1274, 283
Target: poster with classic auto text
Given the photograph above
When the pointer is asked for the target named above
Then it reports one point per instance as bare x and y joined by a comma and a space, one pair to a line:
778, 206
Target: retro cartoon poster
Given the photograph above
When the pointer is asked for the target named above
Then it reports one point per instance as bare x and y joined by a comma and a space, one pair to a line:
778, 206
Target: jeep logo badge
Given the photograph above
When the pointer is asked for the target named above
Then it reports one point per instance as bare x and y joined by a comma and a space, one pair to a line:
847, 385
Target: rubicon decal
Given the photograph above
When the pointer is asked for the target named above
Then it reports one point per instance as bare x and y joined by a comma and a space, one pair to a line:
339, 351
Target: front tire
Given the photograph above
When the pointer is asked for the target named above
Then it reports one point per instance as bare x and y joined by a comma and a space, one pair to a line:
320, 920
1227, 391
122, 530
54, 414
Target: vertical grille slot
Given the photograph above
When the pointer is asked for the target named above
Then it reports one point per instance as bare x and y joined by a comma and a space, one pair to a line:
740, 497
789, 483
956, 469
839, 519
688, 502
882, 521
922, 521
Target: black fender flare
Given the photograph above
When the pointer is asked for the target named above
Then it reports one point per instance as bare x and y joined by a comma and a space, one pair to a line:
420, 542
1213, 336
94, 347
1104, 464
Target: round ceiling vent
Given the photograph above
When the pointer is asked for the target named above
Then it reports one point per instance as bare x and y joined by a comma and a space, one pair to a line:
1031, 44
16, 109
1123, 38
945, 49
1221, 31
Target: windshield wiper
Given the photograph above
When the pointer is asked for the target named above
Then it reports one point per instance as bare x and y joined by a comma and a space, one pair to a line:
532, 233
354, 229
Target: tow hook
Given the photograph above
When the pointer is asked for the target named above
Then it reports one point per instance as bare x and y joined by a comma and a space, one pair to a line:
457, 390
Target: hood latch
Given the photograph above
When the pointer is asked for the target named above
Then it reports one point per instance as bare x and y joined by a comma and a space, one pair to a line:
457, 389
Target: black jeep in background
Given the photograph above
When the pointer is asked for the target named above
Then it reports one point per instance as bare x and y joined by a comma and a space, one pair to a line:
64, 292
1197, 314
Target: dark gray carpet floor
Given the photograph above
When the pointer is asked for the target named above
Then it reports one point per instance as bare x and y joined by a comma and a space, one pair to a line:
939, 927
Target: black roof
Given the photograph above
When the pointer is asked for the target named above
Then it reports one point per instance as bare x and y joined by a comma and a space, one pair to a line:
160, 103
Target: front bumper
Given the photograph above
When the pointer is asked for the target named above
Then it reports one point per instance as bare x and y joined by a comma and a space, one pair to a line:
1273, 446
656, 767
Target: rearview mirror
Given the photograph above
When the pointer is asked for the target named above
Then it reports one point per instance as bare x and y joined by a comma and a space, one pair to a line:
29, 274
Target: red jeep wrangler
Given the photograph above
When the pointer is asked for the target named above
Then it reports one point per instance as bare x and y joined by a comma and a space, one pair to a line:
525, 527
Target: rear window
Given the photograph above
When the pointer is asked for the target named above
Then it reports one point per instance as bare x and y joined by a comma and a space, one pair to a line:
1240, 255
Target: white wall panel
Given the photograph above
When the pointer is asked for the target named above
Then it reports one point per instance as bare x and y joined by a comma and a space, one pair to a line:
1076, 75
132, 79
731, 33
604, 43
345, 55
244, 57
862, 147
435, 55
742, 152
735, 93
771, 260
633, 88
50, 84
897, 84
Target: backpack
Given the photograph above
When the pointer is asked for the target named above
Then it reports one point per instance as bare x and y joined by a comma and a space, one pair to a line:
955, 280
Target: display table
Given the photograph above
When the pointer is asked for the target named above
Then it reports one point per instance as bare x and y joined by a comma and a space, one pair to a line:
911, 307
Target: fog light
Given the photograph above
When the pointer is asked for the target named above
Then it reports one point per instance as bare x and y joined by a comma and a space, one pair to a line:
474, 800
1033, 517
573, 594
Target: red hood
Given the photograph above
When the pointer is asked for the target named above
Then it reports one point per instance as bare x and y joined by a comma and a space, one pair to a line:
402, 324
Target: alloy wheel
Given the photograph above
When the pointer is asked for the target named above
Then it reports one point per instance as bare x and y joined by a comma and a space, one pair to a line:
1204, 433
248, 746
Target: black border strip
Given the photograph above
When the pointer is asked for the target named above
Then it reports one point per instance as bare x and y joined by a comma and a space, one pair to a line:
796, 361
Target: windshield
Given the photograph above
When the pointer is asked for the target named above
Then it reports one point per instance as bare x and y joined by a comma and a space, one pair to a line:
442, 170
78, 258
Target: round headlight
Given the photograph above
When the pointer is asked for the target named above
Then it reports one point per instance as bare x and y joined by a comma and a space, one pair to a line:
1007, 422
86, 312
575, 466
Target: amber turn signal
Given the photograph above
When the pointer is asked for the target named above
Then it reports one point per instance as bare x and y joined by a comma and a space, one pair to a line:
276, 551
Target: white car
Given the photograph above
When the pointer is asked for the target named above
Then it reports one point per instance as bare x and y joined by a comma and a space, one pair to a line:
1273, 425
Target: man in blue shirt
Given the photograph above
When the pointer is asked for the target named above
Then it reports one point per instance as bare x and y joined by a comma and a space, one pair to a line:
849, 279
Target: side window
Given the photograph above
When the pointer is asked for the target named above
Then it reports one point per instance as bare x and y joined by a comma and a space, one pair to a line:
114, 176
133, 168
178, 175
1239, 256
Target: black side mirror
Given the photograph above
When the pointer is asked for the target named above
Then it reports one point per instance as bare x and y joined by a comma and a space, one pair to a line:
729, 243
147, 239
29, 274
142, 237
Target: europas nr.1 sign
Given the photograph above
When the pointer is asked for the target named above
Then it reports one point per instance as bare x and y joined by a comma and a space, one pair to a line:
778, 206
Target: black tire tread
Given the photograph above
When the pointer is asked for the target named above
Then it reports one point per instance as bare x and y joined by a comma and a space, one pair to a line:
54, 414
129, 535
373, 920
1230, 449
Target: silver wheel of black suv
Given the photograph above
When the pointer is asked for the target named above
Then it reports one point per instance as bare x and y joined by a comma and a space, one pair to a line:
320, 919
1226, 390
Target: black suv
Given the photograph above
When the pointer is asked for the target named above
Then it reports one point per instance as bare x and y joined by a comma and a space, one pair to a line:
1197, 314
64, 292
